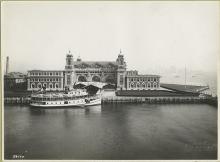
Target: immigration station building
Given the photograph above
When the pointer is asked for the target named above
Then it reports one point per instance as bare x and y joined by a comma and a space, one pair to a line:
113, 72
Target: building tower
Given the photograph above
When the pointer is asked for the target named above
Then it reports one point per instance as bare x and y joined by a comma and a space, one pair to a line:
7, 65
121, 71
69, 71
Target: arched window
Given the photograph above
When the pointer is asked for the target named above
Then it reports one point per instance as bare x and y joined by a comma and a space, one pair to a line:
96, 79
143, 85
138, 85
45, 85
39, 85
148, 85
33, 85
155, 85
51, 85
56, 85
110, 79
82, 78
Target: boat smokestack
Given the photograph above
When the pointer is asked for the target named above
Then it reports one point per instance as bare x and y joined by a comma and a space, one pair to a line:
7, 65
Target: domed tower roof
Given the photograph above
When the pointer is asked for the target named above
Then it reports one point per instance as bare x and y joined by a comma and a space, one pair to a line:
120, 60
69, 61
78, 59
69, 54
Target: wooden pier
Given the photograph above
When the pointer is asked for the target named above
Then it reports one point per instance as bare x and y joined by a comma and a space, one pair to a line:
120, 99
17, 100
159, 100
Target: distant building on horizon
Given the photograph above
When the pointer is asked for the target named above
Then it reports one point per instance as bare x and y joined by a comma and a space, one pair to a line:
15, 81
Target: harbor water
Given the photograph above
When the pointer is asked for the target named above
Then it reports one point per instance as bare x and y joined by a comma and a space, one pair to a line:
111, 131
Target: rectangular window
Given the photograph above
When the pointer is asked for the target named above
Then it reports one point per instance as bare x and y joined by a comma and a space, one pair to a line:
68, 80
121, 79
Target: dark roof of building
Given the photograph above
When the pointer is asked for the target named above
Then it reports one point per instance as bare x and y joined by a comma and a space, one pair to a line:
94, 64
79, 86
45, 70
15, 75
143, 75
184, 88
153, 93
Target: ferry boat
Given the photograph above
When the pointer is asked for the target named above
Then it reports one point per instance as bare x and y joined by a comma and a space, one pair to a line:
76, 97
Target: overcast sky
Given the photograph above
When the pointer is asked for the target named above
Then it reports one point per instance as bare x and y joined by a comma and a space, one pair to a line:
151, 35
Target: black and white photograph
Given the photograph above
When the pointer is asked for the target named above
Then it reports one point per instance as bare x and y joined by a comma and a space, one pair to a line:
110, 80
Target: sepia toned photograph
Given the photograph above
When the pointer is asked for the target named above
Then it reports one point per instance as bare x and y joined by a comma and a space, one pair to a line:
107, 80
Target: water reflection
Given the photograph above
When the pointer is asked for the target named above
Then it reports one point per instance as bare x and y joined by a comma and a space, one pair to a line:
112, 131
45, 111
96, 109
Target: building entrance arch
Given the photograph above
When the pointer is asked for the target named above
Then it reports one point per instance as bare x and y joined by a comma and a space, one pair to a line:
96, 78
110, 79
82, 78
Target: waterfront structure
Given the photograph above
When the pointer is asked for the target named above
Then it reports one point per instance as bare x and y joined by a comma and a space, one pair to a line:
49, 79
133, 81
95, 71
113, 72
167, 90
14, 80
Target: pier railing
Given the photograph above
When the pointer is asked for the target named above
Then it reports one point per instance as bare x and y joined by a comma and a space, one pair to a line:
158, 100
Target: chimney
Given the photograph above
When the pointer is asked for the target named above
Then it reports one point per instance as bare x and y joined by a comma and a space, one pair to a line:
7, 65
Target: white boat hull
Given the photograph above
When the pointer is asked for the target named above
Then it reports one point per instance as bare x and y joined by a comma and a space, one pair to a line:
79, 103
69, 103
94, 102
57, 105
